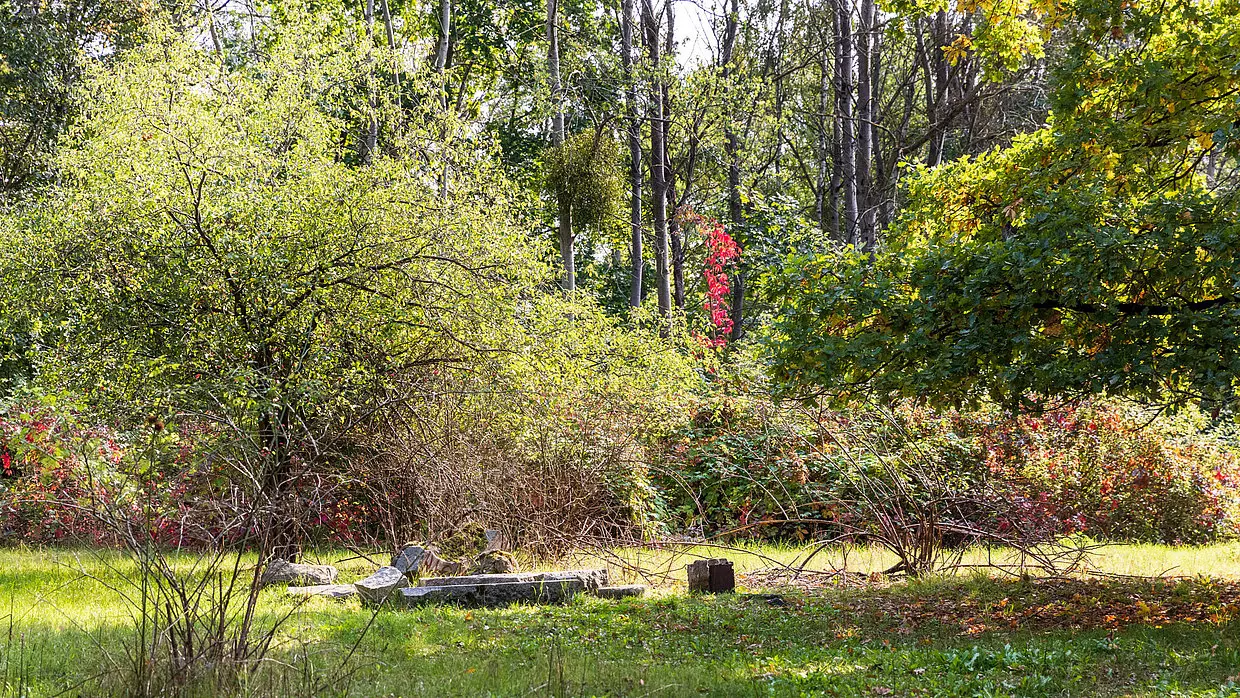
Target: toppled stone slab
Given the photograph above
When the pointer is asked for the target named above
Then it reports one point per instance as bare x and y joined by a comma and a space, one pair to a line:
379, 586
493, 593
409, 560
285, 572
711, 576
331, 591
620, 592
590, 579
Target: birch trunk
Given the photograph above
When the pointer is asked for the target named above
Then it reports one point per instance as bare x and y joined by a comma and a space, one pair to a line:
658, 162
635, 156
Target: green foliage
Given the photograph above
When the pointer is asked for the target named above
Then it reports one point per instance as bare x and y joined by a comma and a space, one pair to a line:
585, 168
209, 250
1097, 255
43, 52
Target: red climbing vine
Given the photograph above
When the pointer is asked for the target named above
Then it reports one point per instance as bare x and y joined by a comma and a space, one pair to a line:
722, 254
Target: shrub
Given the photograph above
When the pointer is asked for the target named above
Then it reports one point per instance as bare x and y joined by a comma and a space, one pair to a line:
744, 467
549, 443
1114, 472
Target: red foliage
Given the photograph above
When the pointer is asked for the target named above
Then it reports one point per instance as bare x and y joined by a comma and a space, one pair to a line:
1097, 469
722, 254
59, 474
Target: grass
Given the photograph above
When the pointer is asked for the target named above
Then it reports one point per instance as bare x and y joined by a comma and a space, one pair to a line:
964, 636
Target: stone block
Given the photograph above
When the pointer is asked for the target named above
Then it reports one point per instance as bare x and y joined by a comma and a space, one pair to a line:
493, 593
712, 576
590, 579
620, 592
409, 560
379, 586
331, 591
285, 572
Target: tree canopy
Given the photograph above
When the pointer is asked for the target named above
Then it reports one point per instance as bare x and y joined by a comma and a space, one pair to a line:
1097, 254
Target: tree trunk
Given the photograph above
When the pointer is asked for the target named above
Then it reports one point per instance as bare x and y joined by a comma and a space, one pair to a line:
673, 223
937, 113
822, 198
658, 163
564, 212
837, 130
635, 156
865, 121
844, 106
371, 138
445, 29
732, 150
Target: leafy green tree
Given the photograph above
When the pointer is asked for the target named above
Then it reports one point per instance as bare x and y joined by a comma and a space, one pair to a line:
1096, 255
210, 252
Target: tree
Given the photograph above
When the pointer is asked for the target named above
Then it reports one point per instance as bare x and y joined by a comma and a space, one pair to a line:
42, 54
633, 131
210, 253
1096, 255
564, 212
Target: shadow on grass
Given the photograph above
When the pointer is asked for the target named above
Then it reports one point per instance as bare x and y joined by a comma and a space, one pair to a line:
932, 639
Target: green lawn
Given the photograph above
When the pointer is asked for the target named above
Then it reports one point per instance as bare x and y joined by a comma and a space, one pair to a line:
966, 636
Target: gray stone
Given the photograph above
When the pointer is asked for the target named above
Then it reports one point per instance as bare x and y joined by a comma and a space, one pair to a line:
494, 562
409, 560
495, 540
285, 572
331, 591
493, 593
711, 576
475, 579
590, 579
376, 588
433, 564
620, 592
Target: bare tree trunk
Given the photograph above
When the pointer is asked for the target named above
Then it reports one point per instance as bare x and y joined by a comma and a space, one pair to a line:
673, 223
732, 151
658, 162
865, 122
837, 129
822, 198
563, 205
937, 113
635, 156
371, 139
844, 106
445, 30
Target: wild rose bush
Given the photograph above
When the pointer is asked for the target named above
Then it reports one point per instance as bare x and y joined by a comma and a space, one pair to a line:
62, 481
1113, 473
746, 468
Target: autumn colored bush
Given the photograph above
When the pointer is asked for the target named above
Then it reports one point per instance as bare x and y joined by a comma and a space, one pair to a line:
1113, 471
64, 481
745, 467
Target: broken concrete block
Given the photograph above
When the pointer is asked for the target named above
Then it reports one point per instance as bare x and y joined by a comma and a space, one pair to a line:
433, 564
493, 593
590, 579
376, 588
711, 576
620, 592
409, 560
331, 591
285, 572
494, 562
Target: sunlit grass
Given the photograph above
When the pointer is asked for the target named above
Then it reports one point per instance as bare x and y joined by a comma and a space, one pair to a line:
68, 623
